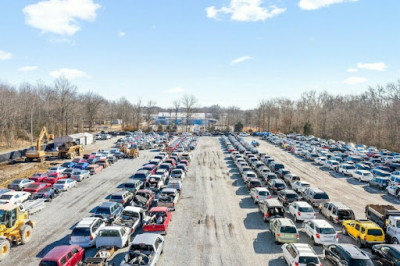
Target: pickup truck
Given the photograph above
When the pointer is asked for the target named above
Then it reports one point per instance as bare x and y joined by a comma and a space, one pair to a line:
393, 230
131, 217
143, 199
157, 220
380, 213
168, 198
145, 249
175, 183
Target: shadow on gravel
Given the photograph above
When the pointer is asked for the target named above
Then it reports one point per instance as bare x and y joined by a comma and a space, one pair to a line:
260, 246
242, 191
336, 175
372, 190
254, 220
247, 203
233, 170
354, 181
236, 182
46, 249
390, 198
277, 262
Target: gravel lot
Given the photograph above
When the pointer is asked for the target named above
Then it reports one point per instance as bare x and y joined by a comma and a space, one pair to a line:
215, 222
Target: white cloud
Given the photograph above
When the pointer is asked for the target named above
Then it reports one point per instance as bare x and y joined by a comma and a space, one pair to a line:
60, 16
241, 59
352, 70
4, 55
355, 80
372, 66
316, 4
27, 68
176, 90
245, 10
69, 73
121, 34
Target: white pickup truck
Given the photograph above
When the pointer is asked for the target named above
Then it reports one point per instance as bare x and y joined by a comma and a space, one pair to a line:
393, 230
131, 217
168, 198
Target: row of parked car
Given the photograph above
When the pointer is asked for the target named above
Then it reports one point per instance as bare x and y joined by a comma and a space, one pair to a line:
135, 216
379, 168
264, 177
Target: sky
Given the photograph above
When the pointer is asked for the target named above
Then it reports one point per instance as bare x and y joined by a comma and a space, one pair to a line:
227, 52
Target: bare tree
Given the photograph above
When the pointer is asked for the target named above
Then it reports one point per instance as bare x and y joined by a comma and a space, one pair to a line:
92, 103
177, 105
189, 102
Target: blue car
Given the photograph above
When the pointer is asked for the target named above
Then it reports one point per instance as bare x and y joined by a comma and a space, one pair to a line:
68, 165
379, 182
81, 166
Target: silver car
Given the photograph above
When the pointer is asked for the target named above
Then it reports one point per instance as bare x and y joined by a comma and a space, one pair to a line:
85, 232
145, 247
79, 175
19, 184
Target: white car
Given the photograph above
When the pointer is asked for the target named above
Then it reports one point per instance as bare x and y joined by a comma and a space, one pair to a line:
301, 211
320, 160
296, 254
79, 175
85, 232
300, 186
346, 169
162, 172
320, 232
395, 180
332, 165
178, 173
393, 190
259, 193
14, 197
248, 175
65, 184
56, 169
113, 236
363, 175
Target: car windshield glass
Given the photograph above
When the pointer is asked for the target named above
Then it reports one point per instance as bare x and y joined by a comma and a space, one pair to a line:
6, 197
288, 229
130, 214
109, 233
306, 209
326, 230
374, 232
321, 196
279, 185
81, 232
263, 193
2, 217
291, 196
141, 247
277, 210
305, 260
361, 262
344, 213
116, 197
48, 263
101, 210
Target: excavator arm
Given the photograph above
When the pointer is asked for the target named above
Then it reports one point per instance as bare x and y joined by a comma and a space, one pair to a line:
43, 134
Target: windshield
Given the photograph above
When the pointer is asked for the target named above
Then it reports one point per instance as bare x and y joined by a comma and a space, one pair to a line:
291, 196
374, 232
142, 247
305, 260
116, 197
326, 230
103, 211
344, 213
263, 193
33, 186
130, 214
109, 233
6, 197
288, 229
306, 209
2, 217
321, 196
81, 232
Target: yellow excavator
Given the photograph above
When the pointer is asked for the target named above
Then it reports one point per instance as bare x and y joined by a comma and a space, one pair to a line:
38, 154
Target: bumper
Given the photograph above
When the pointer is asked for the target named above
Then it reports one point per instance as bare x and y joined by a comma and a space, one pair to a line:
371, 243
83, 244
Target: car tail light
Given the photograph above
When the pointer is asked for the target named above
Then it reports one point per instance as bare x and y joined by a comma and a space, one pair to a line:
110, 215
284, 200
317, 235
278, 235
267, 215
298, 213
91, 237
296, 264
256, 197
315, 215
337, 236
298, 236
313, 201
337, 219
123, 201
270, 196
365, 238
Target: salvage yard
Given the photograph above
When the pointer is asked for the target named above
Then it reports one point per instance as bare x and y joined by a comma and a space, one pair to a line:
215, 222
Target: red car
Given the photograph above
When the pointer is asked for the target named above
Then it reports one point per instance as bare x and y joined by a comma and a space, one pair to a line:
152, 168
38, 177
185, 162
35, 187
94, 168
171, 162
53, 178
63, 256
160, 222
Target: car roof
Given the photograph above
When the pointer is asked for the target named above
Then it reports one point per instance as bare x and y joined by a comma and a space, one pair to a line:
168, 190
133, 209
304, 249
261, 189
142, 171
340, 205
107, 204
286, 221
120, 192
86, 222
146, 238
59, 251
302, 204
321, 223
273, 202
353, 251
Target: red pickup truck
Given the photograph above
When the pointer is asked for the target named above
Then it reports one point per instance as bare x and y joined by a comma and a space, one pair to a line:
157, 220
53, 178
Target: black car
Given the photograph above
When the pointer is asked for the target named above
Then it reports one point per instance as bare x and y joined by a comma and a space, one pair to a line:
47, 193
386, 254
346, 255
287, 196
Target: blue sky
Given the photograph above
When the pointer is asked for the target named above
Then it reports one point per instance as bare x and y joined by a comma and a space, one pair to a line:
228, 52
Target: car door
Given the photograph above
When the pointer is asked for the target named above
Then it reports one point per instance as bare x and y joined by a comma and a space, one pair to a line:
324, 209
308, 227
291, 208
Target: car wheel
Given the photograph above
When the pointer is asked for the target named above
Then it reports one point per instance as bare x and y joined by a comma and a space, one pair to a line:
358, 242
344, 231
26, 234
395, 241
4, 249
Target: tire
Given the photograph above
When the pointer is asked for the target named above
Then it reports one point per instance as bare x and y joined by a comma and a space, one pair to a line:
314, 243
394, 240
358, 242
4, 249
26, 233
128, 242
344, 231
